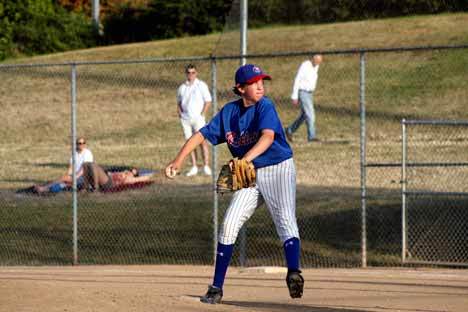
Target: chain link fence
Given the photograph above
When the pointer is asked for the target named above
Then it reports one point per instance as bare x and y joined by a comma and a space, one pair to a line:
434, 175
349, 195
414, 84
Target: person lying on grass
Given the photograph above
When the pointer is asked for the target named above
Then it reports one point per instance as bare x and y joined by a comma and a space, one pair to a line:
97, 179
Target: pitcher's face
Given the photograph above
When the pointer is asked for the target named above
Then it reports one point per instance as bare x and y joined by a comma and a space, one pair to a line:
252, 93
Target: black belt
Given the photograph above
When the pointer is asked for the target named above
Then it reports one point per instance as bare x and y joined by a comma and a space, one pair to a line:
306, 91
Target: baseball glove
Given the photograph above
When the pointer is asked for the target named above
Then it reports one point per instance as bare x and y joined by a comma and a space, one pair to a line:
237, 174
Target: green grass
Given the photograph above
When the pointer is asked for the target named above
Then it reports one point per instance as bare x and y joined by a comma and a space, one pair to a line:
128, 114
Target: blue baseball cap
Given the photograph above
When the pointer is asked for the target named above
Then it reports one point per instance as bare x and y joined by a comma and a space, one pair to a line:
249, 73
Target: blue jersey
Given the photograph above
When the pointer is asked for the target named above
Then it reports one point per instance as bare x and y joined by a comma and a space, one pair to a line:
241, 127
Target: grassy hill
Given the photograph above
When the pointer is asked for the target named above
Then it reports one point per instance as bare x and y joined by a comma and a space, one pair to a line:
127, 111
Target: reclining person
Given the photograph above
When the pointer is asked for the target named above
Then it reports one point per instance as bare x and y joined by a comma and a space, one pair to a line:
96, 178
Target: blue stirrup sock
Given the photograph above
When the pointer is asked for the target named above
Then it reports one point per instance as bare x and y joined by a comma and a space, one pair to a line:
223, 257
292, 251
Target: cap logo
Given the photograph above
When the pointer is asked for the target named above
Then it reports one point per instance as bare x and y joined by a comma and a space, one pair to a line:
249, 73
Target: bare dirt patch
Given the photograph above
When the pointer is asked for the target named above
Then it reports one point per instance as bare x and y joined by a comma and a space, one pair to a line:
178, 288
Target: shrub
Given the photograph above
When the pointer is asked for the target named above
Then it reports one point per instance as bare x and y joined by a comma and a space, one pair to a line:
40, 26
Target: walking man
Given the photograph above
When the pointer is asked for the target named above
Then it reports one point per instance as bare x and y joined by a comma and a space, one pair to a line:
303, 94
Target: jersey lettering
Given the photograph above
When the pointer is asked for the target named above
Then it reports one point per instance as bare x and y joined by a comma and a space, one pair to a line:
244, 139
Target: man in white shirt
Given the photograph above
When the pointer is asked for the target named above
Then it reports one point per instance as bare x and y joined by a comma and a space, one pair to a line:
193, 101
82, 155
303, 94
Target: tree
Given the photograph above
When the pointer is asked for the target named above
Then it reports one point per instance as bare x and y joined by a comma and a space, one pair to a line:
159, 19
41, 26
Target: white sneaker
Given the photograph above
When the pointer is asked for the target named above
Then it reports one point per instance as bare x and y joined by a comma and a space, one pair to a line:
193, 171
207, 170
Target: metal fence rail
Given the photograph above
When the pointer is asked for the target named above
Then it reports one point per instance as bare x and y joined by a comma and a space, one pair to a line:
349, 190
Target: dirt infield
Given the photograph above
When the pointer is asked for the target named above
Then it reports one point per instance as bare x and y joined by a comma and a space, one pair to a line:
177, 288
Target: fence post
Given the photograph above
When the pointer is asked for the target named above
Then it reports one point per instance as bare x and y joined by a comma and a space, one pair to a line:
362, 104
214, 157
73, 138
403, 190
243, 50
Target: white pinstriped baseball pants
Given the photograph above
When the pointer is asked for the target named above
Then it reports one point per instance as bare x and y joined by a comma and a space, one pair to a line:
276, 186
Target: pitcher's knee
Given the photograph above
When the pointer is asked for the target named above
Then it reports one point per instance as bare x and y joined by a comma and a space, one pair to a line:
228, 234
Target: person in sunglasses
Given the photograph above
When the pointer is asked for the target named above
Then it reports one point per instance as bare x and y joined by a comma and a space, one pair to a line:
193, 102
82, 155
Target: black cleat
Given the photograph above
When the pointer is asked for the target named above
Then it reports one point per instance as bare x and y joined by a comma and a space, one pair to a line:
295, 283
213, 295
